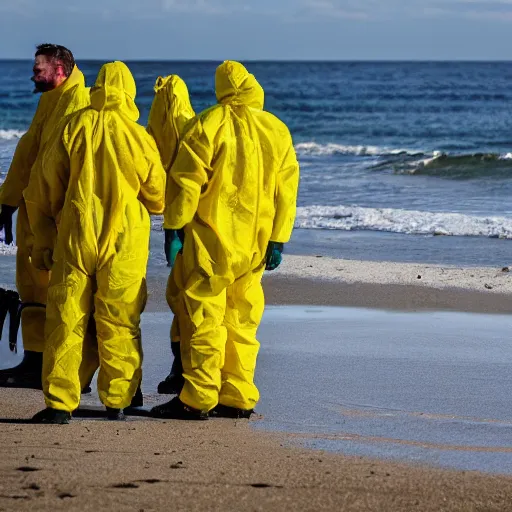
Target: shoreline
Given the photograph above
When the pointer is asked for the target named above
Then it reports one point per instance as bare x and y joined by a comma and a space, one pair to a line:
396, 297
323, 281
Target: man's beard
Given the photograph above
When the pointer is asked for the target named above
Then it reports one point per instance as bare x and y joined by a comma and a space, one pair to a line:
43, 86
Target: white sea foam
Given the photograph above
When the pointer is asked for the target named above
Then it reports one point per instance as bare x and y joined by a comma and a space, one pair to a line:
316, 149
11, 134
353, 218
7, 250
349, 218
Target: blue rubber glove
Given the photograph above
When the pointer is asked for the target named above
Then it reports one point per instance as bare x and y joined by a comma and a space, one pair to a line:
172, 246
274, 256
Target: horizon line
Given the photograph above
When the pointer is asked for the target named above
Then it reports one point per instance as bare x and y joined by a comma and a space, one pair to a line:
316, 61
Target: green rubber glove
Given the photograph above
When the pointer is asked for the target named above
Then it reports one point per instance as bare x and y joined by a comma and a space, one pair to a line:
274, 255
172, 246
176, 247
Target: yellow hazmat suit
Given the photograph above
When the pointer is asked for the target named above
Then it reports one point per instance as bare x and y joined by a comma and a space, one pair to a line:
233, 187
32, 284
97, 185
170, 111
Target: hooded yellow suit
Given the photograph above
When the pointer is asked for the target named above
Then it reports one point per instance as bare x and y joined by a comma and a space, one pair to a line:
233, 187
32, 284
170, 111
98, 183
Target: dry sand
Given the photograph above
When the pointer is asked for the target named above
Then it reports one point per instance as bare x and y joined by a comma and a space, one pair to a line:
225, 465
489, 279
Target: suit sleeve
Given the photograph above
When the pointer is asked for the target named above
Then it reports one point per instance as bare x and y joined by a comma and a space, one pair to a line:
188, 175
287, 185
46, 193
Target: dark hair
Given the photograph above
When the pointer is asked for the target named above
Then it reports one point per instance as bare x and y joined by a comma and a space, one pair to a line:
56, 52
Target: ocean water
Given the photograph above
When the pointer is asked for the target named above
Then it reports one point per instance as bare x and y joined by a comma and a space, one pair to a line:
418, 148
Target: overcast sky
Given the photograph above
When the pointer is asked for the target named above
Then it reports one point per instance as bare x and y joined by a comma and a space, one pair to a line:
261, 29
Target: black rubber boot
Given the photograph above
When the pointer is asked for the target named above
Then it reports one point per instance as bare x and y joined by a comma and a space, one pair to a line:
138, 398
173, 383
52, 416
177, 410
225, 411
167, 245
115, 414
87, 390
26, 375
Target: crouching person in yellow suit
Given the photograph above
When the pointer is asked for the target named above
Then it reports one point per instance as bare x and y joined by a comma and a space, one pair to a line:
90, 219
233, 187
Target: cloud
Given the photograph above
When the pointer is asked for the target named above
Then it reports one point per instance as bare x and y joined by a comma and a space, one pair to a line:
496, 10
505, 16
330, 9
215, 7
18, 7
485, 3
106, 9
302, 11
385, 10
196, 6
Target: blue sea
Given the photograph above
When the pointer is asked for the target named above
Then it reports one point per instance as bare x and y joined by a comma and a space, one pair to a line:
411, 149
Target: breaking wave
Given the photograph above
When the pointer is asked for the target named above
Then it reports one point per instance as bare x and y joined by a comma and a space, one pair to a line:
477, 165
315, 149
418, 162
352, 218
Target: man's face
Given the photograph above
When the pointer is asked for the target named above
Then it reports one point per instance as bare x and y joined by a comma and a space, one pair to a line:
46, 74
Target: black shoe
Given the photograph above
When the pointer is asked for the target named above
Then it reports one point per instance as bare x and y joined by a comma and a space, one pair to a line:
87, 390
172, 385
52, 416
115, 414
177, 410
174, 382
26, 375
225, 411
138, 398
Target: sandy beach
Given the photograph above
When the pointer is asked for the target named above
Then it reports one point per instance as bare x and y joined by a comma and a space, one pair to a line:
145, 464
388, 285
217, 465
324, 281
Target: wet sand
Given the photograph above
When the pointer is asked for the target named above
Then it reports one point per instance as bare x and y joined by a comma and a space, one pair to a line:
280, 290
145, 464
217, 465
310, 280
